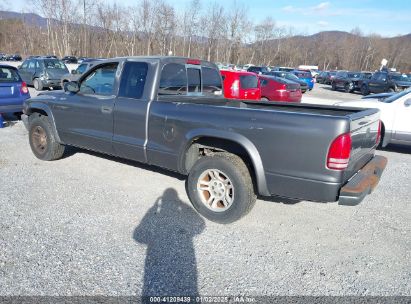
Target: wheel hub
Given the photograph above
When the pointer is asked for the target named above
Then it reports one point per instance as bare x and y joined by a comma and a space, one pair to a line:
216, 190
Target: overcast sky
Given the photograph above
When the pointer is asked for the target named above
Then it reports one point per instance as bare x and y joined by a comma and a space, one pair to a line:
388, 18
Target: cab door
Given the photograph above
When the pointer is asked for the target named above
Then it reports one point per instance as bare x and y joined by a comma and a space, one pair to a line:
85, 118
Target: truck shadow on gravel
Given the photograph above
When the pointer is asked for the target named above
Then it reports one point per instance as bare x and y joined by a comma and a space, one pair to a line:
397, 149
70, 151
168, 229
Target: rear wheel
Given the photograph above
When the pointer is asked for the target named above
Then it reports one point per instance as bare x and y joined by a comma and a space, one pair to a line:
220, 188
264, 99
333, 86
37, 84
42, 139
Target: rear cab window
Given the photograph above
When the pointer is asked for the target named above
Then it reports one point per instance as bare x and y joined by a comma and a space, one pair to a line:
189, 79
133, 80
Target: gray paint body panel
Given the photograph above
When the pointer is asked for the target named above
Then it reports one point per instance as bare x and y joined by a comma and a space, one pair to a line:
287, 144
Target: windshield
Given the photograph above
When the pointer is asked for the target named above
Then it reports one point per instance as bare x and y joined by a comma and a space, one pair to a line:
400, 78
291, 76
9, 75
54, 64
396, 96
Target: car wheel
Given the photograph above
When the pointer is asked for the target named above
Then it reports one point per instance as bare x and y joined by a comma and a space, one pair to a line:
38, 85
364, 90
42, 138
333, 86
220, 188
264, 99
349, 87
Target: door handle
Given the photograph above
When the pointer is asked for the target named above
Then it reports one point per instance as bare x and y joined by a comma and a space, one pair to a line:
106, 109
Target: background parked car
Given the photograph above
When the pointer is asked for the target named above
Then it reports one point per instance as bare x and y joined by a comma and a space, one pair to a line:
69, 59
241, 85
258, 69
14, 57
395, 116
290, 76
346, 80
326, 77
279, 89
43, 72
383, 81
13, 90
74, 75
306, 76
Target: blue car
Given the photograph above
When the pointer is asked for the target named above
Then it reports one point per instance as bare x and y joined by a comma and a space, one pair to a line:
13, 90
305, 76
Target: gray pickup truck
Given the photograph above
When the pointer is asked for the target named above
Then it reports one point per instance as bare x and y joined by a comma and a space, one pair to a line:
169, 112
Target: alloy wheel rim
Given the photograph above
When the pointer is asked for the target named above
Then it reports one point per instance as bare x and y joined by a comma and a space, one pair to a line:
216, 190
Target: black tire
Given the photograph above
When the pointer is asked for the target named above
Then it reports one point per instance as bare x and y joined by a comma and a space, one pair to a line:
348, 87
43, 140
37, 84
364, 90
243, 194
264, 99
392, 90
333, 86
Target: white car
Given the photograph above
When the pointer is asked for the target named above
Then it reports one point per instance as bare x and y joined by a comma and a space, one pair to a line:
395, 116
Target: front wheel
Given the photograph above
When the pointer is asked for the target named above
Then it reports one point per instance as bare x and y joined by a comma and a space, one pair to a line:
364, 90
349, 87
333, 86
220, 188
42, 139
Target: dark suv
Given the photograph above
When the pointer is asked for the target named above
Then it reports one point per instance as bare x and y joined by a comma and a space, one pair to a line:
74, 75
382, 81
69, 59
326, 77
349, 81
43, 72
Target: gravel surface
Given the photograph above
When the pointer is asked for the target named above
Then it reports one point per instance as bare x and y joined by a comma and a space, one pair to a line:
95, 225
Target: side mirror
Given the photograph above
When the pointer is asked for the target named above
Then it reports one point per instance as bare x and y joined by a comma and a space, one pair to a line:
71, 87
73, 72
407, 103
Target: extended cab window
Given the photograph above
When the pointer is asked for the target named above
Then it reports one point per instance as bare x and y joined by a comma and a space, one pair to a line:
81, 68
173, 80
100, 81
211, 81
133, 80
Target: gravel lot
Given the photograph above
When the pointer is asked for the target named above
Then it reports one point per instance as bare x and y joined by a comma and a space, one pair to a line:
95, 225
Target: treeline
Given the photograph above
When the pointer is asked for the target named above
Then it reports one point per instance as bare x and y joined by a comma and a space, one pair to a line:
204, 30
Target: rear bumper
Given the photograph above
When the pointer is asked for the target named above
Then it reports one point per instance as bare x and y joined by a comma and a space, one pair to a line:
11, 108
363, 183
51, 83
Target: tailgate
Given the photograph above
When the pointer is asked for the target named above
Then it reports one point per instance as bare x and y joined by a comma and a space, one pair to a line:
364, 131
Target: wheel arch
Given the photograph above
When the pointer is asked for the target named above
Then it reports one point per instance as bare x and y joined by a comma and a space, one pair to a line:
43, 109
198, 140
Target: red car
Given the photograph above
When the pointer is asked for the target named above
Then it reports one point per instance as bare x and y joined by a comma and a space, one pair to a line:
241, 85
279, 89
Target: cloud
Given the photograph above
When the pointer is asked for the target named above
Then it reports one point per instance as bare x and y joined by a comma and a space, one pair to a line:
288, 8
322, 6
322, 23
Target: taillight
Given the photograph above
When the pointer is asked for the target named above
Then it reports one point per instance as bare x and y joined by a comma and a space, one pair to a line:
24, 89
378, 132
339, 152
283, 88
235, 89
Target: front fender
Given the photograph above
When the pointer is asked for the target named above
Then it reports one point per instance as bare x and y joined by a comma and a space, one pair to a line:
31, 107
252, 151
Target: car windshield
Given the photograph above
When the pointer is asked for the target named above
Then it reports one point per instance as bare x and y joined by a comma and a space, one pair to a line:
400, 78
9, 75
396, 96
54, 64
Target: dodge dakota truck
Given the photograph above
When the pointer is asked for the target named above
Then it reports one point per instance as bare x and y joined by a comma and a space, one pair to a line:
170, 112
